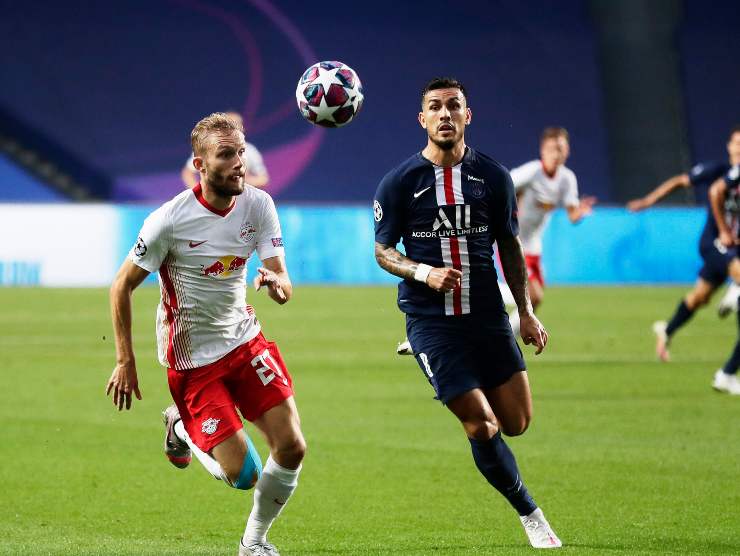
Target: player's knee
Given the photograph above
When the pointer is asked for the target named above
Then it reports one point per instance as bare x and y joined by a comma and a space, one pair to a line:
481, 429
516, 427
292, 451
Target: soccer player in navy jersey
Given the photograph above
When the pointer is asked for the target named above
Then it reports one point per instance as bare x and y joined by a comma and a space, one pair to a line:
724, 197
717, 259
449, 204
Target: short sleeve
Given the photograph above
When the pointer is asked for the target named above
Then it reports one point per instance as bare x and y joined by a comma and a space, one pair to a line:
697, 173
153, 242
523, 175
732, 178
255, 163
569, 193
387, 211
269, 236
504, 221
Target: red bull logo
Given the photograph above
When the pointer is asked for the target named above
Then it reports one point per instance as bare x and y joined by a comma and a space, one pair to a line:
225, 266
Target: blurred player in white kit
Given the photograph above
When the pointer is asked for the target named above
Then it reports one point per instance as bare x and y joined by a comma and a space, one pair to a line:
542, 186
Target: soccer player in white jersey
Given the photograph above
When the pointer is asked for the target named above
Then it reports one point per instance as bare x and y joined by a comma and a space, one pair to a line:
543, 185
209, 339
255, 174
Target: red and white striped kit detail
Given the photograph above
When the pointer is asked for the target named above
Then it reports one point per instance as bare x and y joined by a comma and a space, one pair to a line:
448, 188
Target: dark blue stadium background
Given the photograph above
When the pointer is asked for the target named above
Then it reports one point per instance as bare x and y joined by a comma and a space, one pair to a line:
121, 83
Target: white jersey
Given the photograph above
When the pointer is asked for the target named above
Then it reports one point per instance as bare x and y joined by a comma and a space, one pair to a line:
253, 161
201, 254
538, 195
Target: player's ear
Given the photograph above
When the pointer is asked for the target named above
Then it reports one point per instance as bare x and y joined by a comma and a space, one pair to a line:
198, 163
422, 120
468, 116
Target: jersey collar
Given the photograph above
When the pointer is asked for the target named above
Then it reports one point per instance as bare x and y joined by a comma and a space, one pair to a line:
198, 192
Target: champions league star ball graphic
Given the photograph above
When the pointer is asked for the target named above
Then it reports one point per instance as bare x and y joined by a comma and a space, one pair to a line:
329, 94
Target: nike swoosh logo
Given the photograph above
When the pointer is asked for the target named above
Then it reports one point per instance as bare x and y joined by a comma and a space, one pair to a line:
420, 193
196, 243
278, 502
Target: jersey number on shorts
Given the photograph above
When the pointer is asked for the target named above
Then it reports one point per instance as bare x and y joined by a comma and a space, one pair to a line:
267, 368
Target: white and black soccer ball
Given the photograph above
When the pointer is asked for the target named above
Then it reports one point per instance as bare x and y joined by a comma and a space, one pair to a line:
329, 94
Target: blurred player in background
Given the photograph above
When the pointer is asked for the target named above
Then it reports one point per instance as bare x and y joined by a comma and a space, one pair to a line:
541, 186
717, 258
724, 197
255, 174
208, 337
448, 204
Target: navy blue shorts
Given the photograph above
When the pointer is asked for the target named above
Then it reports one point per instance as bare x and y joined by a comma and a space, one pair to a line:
460, 353
716, 259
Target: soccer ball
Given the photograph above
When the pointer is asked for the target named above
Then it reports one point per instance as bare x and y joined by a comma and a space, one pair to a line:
329, 94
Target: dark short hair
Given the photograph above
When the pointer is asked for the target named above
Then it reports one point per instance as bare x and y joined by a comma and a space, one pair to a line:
553, 133
733, 131
443, 83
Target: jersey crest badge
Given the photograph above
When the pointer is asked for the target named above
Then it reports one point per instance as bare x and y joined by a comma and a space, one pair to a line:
377, 211
210, 425
247, 231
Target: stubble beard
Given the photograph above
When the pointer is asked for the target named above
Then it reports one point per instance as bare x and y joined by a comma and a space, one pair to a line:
445, 144
222, 187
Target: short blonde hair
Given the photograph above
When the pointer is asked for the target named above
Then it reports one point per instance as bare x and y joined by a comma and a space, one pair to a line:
554, 133
218, 122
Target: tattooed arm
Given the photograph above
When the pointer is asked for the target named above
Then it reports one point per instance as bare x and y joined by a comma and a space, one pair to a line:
515, 271
393, 261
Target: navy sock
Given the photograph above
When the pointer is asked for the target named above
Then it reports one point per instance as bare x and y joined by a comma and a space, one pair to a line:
497, 464
679, 318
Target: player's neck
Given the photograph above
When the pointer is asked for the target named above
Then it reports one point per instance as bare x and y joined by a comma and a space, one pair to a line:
550, 171
215, 200
441, 157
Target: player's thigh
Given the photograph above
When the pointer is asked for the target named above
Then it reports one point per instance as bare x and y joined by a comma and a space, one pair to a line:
536, 291
512, 404
281, 427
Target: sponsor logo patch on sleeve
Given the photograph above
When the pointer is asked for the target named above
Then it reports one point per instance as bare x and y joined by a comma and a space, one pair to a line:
277, 242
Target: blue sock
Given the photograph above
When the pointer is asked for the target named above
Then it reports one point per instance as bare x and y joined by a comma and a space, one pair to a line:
252, 468
497, 464
679, 318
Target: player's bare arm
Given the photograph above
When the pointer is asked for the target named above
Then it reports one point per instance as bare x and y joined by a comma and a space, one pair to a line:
256, 180
274, 275
124, 381
665, 188
512, 263
717, 194
583, 208
392, 260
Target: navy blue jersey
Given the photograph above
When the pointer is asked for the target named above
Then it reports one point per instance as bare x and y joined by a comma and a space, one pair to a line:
448, 217
702, 176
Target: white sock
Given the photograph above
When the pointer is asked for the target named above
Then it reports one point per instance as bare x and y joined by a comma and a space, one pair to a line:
211, 465
514, 322
731, 295
271, 493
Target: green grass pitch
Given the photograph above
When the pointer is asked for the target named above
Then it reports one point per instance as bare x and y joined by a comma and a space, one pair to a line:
625, 455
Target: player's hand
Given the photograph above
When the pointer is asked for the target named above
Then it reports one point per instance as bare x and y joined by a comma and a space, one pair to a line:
726, 239
586, 204
444, 279
272, 281
532, 331
636, 205
123, 382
